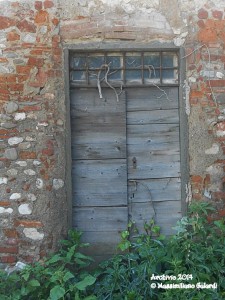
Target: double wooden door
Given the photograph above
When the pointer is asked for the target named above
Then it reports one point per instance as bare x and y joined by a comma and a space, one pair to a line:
125, 162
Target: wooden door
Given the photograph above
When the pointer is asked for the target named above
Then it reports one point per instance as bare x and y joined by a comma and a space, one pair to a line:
153, 156
126, 149
99, 168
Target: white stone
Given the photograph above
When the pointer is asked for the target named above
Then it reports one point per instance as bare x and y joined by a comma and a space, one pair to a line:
30, 139
43, 29
20, 116
12, 172
21, 163
184, 34
33, 234
213, 150
220, 133
45, 124
178, 41
39, 183
11, 107
15, 140
25, 145
31, 197
36, 163
11, 154
219, 75
25, 209
28, 38
3, 180
15, 196
5, 210
58, 184
192, 79
29, 172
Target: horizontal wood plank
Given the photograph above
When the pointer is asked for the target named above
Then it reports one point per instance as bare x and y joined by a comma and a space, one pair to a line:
100, 219
151, 98
98, 126
162, 189
153, 117
99, 182
146, 169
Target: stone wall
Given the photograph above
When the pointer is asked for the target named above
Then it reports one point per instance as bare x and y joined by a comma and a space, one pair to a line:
34, 209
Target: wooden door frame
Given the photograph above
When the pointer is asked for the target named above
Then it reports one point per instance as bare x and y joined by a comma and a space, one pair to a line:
183, 115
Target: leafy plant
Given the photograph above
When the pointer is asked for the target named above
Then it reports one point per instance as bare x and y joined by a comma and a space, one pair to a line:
197, 249
61, 276
194, 255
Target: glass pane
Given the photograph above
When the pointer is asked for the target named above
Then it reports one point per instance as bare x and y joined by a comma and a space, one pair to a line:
78, 76
152, 59
169, 60
170, 76
151, 76
95, 62
115, 62
79, 62
133, 76
133, 61
115, 75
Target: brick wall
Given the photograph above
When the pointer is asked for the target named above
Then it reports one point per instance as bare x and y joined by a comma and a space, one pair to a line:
33, 190
33, 210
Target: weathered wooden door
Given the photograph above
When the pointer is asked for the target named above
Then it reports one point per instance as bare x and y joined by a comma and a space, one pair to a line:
99, 169
153, 151
125, 145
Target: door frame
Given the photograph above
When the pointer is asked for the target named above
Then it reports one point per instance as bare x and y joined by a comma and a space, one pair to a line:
183, 108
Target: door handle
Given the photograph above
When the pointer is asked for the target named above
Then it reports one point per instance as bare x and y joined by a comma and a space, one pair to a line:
134, 160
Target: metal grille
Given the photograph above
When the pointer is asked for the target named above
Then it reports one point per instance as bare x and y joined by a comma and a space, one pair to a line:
124, 68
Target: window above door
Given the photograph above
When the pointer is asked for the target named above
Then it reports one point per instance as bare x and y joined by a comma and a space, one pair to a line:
142, 68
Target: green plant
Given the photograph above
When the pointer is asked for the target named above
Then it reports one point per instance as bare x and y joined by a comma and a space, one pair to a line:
195, 254
197, 250
61, 276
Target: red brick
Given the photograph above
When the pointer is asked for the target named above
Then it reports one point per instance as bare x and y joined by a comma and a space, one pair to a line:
16, 87
40, 80
30, 108
6, 133
26, 26
216, 83
55, 21
201, 23
13, 36
12, 250
28, 223
48, 4
217, 14
48, 151
38, 5
23, 69
196, 94
6, 22
10, 233
27, 155
207, 35
196, 179
8, 259
202, 14
34, 61
41, 17
5, 203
